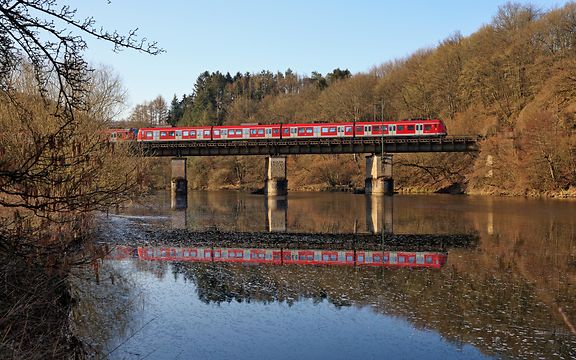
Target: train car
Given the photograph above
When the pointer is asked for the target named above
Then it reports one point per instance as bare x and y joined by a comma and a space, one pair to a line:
317, 130
116, 135
404, 128
175, 133
252, 131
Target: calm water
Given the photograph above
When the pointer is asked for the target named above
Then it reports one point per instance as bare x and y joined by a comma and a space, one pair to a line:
510, 294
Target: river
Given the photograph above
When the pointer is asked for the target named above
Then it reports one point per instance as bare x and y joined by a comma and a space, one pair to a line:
478, 278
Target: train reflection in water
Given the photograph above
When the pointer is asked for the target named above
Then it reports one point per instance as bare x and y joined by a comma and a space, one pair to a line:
288, 256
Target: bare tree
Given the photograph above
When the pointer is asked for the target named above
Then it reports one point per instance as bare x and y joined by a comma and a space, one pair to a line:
53, 112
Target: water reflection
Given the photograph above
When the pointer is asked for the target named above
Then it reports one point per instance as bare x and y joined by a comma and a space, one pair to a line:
281, 256
509, 290
277, 213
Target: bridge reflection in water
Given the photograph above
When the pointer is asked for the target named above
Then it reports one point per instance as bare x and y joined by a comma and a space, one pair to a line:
378, 216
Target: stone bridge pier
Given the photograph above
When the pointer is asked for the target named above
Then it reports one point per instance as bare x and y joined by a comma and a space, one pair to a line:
276, 182
379, 175
179, 184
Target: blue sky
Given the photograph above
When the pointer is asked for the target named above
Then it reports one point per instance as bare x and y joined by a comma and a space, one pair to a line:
305, 36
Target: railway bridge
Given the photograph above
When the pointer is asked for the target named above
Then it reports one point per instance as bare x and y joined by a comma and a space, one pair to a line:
379, 179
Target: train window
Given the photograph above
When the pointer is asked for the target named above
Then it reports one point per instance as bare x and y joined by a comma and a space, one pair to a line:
401, 259
349, 258
193, 133
348, 128
400, 127
286, 131
308, 130
385, 259
206, 132
301, 130
384, 127
411, 127
333, 257
375, 128
171, 133
216, 132
411, 259
428, 260
253, 131
325, 257
324, 130
149, 134
162, 133
376, 258
359, 128
260, 131
332, 129
276, 131
217, 254
238, 132
302, 257
361, 258
224, 132
427, 127
310, 257
185, 132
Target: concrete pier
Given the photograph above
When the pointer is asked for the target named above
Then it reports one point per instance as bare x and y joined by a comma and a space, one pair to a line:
179, 184
276, 182
379, 178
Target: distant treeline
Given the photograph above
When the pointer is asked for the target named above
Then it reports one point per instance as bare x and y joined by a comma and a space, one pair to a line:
511, 82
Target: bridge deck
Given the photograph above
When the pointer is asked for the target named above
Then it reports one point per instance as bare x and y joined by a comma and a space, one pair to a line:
310, 146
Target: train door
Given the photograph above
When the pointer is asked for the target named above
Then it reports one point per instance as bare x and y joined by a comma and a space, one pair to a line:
316, 131
340, 131
367, 130
178, 134
392, 130
419, 129
156, 134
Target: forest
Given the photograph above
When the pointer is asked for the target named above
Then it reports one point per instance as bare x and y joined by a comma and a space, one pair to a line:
511, 82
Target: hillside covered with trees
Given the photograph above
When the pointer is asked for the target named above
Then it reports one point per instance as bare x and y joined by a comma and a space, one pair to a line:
512, 82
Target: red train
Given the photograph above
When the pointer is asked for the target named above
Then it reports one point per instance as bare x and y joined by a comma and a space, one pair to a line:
403, 128
296, 256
